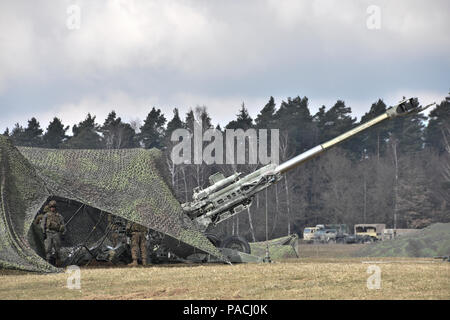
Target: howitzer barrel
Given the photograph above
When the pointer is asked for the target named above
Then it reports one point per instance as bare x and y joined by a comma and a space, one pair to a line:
226, 197
402, 108
305, 156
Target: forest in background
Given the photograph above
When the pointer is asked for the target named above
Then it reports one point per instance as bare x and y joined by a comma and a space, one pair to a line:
397, 172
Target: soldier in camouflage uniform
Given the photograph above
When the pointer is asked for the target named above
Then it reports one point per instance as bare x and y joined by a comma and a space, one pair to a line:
115, 223
138, 242
39, 217
53, 226
39, 231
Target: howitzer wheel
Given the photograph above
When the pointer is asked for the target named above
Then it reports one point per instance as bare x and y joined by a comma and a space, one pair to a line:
238, 243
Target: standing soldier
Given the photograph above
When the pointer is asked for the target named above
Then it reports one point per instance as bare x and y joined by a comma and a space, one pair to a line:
38, 222
115, 224
41, 215
138, 242
53, 226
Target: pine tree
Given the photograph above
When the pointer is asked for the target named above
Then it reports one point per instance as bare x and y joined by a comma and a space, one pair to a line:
85, 135
6, 133
17, 135
32, 135
189, 121
414, 208
55, 134
174, 124
296, 122
174, 169
337, 121
373, 140
201, 114
409, 131
116, 134
437, 133
152, 132
266, 119
243, 120
108, 130
319, 117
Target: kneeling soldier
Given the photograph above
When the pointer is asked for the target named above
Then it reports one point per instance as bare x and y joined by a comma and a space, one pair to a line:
53, 226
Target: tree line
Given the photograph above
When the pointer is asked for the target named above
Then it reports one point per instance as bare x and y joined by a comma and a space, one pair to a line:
397, 172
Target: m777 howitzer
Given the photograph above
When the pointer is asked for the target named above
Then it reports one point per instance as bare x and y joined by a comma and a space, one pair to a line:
227, 196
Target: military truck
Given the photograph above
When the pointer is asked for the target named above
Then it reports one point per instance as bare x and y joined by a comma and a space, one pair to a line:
325, 236
308, 233
341, 232
370, 232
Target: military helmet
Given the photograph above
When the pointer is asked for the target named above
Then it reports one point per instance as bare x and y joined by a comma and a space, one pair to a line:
52, 204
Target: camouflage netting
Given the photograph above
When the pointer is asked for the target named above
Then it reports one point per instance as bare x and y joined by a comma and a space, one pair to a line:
280, 248
128, 183
431, 241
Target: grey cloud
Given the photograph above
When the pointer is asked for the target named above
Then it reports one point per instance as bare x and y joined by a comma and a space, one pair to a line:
218, 53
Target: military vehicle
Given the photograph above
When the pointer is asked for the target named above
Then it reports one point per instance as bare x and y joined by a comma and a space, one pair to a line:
369, 232
325, 236
308, 233
228, 196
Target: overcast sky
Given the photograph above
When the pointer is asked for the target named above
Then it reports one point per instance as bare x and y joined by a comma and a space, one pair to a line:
132, 55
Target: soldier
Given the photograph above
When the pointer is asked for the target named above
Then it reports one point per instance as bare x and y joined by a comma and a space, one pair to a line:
138, 242
41, 215
53, 226
115, 224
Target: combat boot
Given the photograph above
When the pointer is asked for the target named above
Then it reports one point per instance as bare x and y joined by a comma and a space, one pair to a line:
133, 264
144, 262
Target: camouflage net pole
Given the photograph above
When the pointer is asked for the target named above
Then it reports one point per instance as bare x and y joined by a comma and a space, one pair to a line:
74, 215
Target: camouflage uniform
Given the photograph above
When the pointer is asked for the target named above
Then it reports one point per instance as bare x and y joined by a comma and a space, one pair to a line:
39, 217
138, 242
53, 226
115, 235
